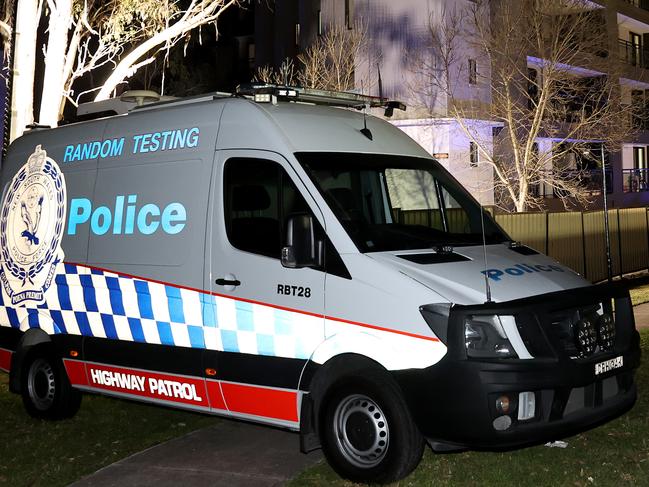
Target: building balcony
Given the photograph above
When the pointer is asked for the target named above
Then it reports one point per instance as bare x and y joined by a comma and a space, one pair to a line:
589, 179
633, 55
635, 180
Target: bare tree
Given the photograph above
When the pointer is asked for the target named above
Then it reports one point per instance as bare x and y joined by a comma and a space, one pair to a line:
24, 66
543, 70
84, 36
5, 22
5, 31
183, 20
328, 64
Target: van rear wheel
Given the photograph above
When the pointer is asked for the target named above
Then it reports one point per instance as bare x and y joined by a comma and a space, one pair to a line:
367, 432
46, 390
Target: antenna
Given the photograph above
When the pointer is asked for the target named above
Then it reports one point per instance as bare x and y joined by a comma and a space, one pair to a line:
607, 230
378, 68
484, 250
365, 131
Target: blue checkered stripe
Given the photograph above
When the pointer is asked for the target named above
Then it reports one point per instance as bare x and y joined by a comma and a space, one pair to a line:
91, 302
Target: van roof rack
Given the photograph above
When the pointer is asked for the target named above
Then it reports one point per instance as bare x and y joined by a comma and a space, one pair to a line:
267, 93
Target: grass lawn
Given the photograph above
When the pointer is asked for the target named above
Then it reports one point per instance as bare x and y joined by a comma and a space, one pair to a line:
615, 454
640, 295
34, 452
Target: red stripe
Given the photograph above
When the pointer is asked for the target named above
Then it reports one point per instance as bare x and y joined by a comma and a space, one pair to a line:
252, 301
5, 359
76, 372
261, 401
375, 327
163, 387
215, 395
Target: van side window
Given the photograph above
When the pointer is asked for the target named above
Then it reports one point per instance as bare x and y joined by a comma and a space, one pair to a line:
259, 198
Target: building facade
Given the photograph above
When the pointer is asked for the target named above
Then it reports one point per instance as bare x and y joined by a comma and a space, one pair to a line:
393, 65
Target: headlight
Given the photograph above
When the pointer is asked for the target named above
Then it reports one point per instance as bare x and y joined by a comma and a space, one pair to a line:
485, 337
606, 331
586, 336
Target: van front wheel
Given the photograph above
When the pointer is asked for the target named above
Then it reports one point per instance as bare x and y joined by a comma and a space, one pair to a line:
367, 431
46, 390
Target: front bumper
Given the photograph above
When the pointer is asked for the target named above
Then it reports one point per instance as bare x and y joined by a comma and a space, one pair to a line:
454, 401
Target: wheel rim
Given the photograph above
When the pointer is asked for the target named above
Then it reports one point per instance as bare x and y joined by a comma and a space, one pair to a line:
41, 384
361, 431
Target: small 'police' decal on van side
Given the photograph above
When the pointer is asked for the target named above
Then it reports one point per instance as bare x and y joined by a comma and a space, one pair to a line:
299, 291
31, 227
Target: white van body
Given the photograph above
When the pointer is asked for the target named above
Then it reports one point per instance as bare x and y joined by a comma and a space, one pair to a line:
262, 261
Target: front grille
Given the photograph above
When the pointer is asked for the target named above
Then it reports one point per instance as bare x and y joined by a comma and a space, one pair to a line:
591, 396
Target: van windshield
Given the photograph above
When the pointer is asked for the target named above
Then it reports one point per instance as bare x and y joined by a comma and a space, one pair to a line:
390, 203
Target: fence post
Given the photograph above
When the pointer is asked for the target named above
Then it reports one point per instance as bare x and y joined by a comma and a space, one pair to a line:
619, 240
583, 243
646, 226
547, 233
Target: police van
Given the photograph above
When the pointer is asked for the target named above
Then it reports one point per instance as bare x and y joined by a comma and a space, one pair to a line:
270, 256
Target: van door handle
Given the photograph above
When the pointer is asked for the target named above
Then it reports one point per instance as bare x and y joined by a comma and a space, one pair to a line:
228, 282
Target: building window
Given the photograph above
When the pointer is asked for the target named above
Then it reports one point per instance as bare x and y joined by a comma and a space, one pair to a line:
495, 131
636, 179
636, 48
639, 107
537, 190
473, 154
532, 88
639, 160
349, 17
473, 72
297, 34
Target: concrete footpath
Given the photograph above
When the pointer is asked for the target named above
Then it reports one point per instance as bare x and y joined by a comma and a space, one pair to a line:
641, 314
229, 453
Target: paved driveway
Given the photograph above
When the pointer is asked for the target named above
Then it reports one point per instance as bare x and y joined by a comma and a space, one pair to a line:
228, 454
641, 313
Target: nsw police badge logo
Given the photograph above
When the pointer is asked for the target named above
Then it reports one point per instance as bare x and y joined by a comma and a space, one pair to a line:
31, 228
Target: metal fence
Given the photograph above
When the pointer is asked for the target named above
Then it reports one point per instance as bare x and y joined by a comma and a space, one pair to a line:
575, 239
578, 241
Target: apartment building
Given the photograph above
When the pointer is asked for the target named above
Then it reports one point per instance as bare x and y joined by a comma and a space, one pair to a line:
398, 36
628, 25
397, 31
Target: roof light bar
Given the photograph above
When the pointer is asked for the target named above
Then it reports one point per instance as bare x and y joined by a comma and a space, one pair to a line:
263, 93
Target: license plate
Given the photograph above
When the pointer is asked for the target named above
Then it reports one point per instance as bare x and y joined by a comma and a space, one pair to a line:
607, 365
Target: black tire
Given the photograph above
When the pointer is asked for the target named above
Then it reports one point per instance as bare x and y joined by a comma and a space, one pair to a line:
45, 388
366, 429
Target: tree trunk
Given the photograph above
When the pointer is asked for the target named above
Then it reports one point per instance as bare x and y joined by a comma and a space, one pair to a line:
22, 94
57, 44
125, 68
207, 13
5, 31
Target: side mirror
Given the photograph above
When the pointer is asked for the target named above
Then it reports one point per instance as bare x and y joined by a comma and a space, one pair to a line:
301, 249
